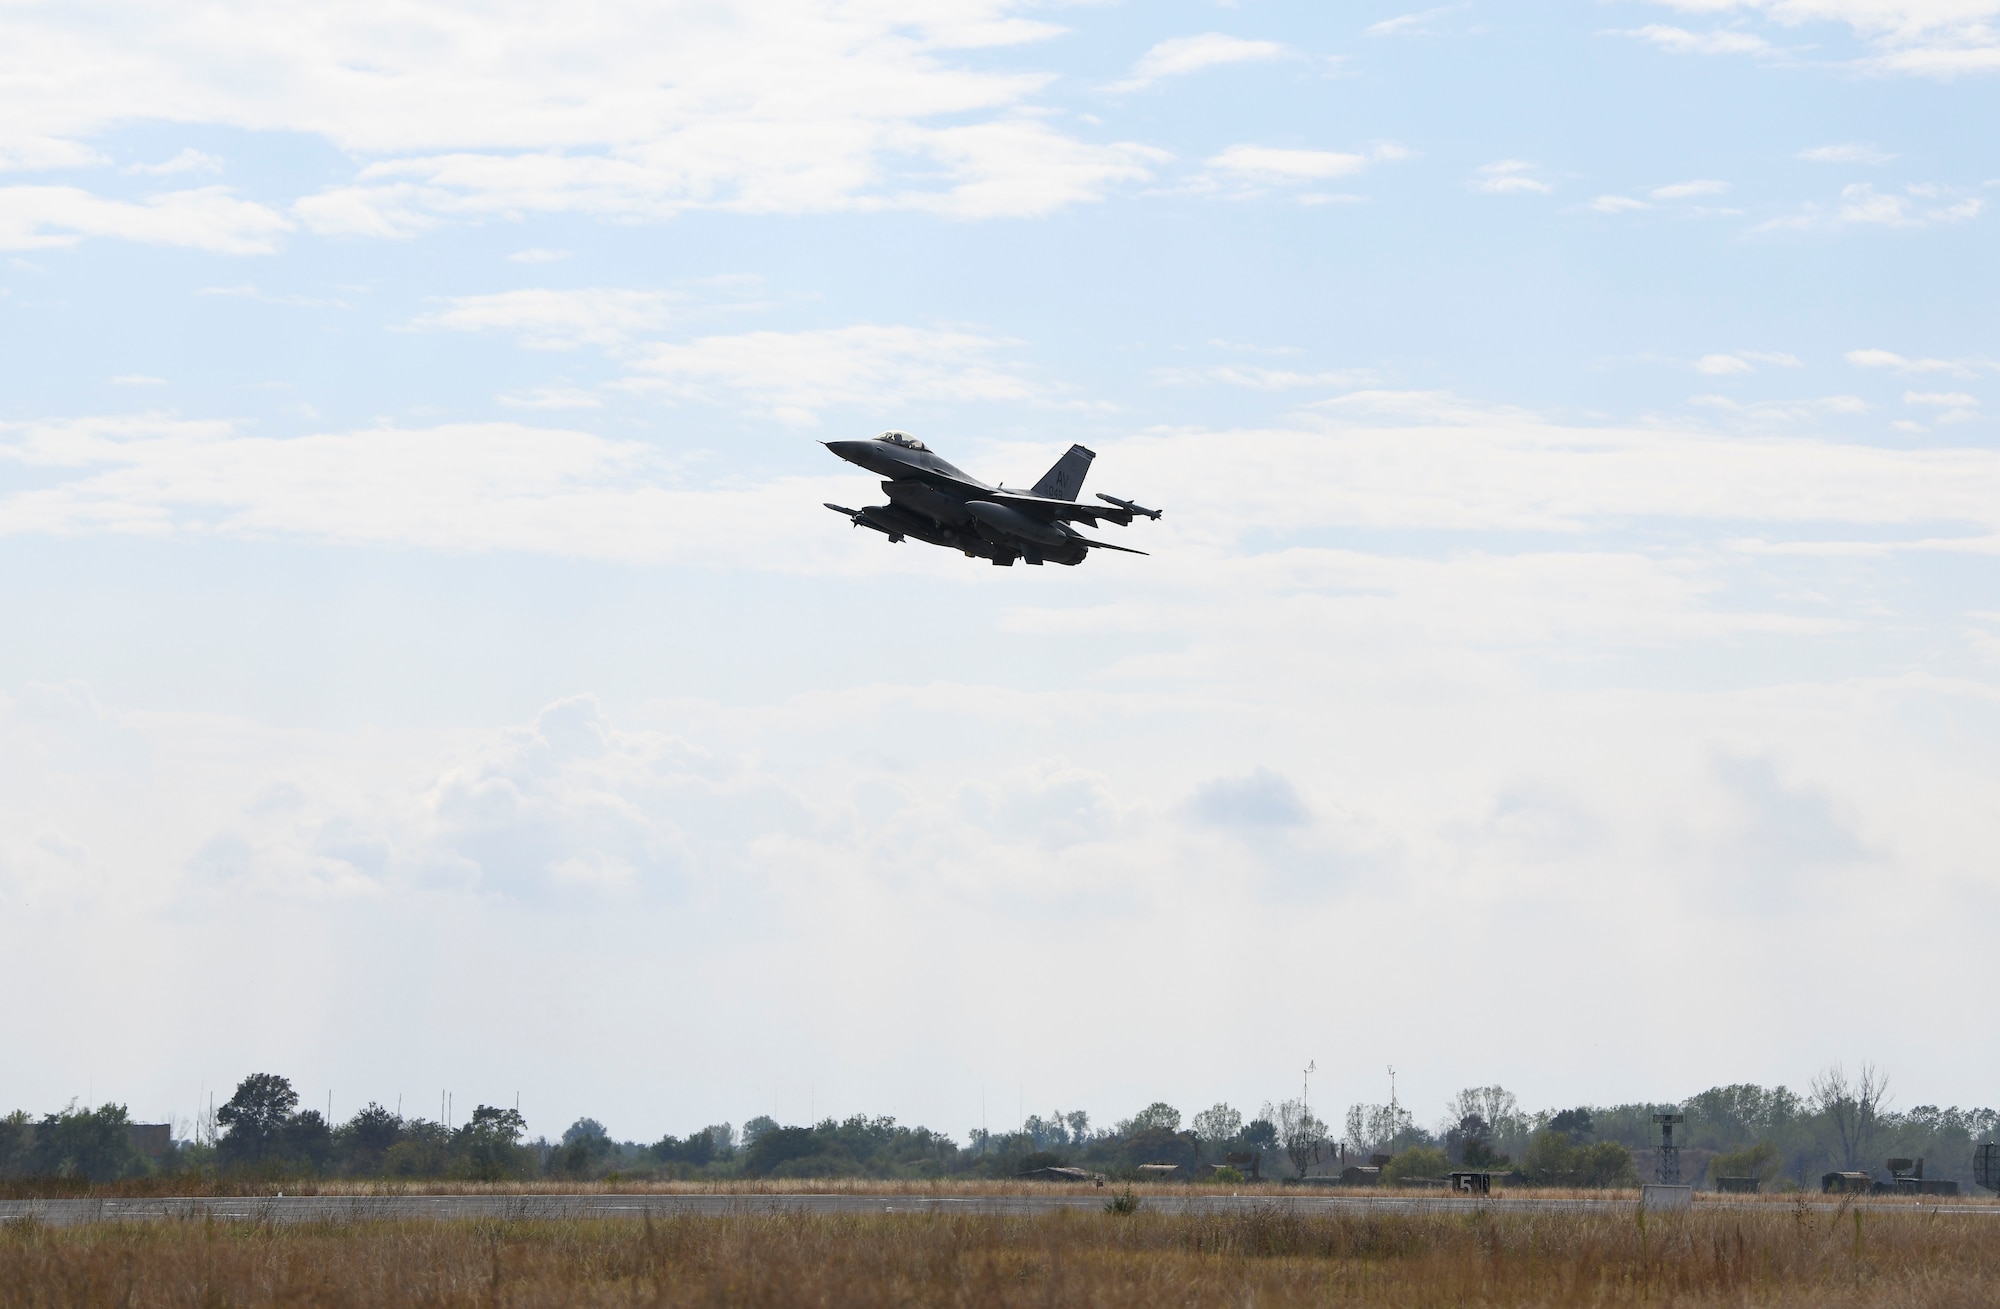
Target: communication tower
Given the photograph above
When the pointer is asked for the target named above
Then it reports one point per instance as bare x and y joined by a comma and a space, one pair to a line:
1669, 1171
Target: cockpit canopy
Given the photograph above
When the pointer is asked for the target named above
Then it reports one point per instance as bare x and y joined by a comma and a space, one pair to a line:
903, 439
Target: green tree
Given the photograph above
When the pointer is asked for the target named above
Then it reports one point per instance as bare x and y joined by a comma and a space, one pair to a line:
1551, 1160
423, 1149
254, 1119
14, 1133
489, 1146
1573, 1123
1156, 1116
305, 1142
777, 1146
363, 1142
83, 1143
585, 1146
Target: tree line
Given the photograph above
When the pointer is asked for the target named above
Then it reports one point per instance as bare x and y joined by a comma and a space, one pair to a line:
1780, 1137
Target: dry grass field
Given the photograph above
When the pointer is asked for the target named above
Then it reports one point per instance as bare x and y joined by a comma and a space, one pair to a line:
1771, 1255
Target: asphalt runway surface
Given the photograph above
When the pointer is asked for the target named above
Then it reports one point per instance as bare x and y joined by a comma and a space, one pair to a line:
403, 1208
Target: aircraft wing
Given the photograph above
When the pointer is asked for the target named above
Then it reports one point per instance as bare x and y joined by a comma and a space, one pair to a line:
1069, 511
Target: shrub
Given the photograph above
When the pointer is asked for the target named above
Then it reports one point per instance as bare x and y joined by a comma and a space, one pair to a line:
1417, 1161
1226, 1174
1760, 1161
1551, 1160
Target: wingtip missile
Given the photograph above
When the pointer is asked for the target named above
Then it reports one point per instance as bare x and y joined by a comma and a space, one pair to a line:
1128, 506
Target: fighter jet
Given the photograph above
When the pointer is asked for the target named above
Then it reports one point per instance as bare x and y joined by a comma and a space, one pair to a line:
932, 501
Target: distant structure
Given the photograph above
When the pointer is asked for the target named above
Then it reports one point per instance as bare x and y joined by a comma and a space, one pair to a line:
1986, 1165
1669, 1171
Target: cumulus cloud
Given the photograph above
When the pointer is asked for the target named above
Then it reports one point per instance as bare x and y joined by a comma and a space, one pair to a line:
1689, 190
512, 487
1889, 359
1273, 164
1261, 799
544, 319
1920, 205
1934, 38
793, 376
189, 160
1847, 153
634, 112
207, 218
1507, 177
1744, 361
1425, 22
1181, 55
1680, 41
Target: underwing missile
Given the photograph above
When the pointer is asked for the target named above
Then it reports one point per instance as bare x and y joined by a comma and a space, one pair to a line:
1128, 506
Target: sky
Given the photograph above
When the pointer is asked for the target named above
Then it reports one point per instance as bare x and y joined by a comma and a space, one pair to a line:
1569, 657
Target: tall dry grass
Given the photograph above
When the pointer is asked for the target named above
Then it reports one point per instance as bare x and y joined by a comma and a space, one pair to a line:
1768, 1256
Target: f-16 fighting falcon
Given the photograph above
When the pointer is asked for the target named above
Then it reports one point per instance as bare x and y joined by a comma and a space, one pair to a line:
934, 502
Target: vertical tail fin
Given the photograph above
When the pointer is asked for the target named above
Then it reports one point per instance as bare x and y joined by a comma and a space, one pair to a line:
1064, 480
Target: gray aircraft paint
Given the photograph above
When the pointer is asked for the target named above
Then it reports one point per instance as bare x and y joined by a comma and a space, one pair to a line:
934, 502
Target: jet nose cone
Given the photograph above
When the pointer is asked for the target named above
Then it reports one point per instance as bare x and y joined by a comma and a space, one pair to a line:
848, 450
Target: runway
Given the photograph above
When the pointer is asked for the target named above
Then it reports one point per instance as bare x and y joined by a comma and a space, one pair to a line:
528, 1208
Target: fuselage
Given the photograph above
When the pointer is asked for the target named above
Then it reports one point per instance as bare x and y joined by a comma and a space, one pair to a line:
933, 501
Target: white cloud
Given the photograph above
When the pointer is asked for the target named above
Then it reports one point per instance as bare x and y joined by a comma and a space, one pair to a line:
1273, 164
189, 160
1873, 358
1507, 176
553, 397
1943, 399
1936, 38
33, 152
1617, 204
1861, 205
1422, 23
1743, 361
1680, 41
1270, 379
632, 111
479, 487
793, 376
537, 255
207, 218
1846, 153
544, 319
455, 488
1689, 190
1181, 55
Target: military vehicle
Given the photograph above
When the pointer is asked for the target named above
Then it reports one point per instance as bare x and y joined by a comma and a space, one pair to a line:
931, 501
